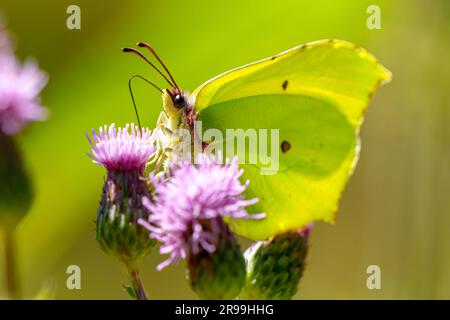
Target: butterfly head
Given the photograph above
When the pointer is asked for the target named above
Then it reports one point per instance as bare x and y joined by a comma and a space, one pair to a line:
174, 101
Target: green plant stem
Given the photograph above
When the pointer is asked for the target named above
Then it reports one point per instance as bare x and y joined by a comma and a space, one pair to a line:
12, 280
136, 283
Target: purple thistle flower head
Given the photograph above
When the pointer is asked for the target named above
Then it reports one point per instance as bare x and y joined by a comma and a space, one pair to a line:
122, 149
20, 87
189, 205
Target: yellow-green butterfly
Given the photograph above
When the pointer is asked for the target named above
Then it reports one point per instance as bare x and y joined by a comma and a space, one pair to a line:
316, 95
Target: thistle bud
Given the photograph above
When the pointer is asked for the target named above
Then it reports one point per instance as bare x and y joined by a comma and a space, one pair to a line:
188, 209
274, 267
124, 154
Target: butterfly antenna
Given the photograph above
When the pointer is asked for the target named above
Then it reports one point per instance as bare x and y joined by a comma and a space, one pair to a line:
147, 46
132, 96
134, 51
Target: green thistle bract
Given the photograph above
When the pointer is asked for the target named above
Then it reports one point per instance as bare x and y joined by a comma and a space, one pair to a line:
219, 274
120, 207
274, 267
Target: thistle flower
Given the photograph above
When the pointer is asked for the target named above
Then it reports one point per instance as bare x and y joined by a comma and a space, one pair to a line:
124, 153
120, 149
275, 267
20, 87
188, 211
193, 194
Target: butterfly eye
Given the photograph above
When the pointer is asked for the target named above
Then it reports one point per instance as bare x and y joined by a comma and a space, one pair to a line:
179, 101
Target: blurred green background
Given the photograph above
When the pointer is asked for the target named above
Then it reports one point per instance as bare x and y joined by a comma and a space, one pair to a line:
395, 211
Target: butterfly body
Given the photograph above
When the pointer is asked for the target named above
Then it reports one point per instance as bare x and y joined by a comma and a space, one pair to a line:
177, 115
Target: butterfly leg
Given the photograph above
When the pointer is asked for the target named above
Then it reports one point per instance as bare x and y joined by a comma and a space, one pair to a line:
163, 142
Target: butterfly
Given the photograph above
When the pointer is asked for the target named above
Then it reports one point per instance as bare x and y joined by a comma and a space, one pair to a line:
315, 95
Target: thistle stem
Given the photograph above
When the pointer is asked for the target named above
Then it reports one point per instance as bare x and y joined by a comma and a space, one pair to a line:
12, 281
136, 283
